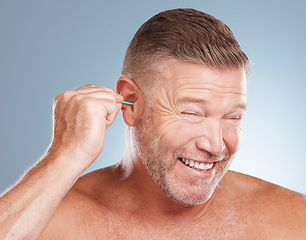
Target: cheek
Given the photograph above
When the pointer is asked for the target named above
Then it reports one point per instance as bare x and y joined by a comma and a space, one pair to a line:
178, 133
232, 138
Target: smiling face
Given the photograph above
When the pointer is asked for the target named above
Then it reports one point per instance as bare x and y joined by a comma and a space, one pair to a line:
188, 138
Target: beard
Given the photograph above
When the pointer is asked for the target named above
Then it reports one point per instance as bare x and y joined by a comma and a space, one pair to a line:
160, 165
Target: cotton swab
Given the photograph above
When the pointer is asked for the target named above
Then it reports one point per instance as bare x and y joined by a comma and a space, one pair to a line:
129, 103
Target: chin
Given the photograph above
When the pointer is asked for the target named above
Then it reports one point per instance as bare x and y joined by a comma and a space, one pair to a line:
190, 196
194, 199
194, 192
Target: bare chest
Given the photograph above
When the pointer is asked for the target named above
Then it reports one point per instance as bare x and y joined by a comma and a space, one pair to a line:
135, 227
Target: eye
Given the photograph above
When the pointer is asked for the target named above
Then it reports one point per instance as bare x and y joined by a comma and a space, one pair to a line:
234, 119
190, 113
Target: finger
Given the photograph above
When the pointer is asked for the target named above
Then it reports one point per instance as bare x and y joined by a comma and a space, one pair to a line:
103, 95
108, 108
92, 87
56, 99
89, 86
112, 116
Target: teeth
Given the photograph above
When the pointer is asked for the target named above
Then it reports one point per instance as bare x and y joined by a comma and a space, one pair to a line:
191, 163
196, 165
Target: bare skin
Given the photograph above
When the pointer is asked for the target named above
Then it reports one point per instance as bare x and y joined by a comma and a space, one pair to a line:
123, 202
242, 207
81, 118
151, 193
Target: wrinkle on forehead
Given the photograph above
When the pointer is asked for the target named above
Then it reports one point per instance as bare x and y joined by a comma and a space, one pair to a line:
198, 76
205, 93
206, 87
220, 88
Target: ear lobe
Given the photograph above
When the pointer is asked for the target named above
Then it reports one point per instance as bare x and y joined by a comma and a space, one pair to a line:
128, 89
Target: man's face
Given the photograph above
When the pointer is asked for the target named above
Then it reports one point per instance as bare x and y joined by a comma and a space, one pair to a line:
190, 135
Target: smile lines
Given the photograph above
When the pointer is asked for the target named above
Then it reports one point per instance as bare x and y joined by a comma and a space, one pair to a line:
196, 165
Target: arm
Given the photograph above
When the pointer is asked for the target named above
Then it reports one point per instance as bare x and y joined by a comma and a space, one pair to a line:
81, 117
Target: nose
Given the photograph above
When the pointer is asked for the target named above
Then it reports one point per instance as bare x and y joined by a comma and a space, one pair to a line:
211, 138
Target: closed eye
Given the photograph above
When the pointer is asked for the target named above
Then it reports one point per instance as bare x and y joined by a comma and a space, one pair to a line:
190, 113
234, 120
192, 116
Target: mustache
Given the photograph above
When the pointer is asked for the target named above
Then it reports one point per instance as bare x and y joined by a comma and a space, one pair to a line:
202, 155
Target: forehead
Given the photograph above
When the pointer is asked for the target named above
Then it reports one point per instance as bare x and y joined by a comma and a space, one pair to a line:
183, 76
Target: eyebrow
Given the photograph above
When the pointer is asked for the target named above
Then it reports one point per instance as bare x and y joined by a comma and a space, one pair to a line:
192, 100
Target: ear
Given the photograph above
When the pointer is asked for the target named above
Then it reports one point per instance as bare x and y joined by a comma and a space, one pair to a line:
128, 89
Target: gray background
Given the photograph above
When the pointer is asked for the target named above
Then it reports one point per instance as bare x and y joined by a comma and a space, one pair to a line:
47, 47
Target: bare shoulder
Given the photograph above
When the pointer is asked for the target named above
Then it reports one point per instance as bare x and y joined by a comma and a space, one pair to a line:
275, 210
86, 203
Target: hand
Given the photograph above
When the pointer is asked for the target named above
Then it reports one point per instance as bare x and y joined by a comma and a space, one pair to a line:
81, 117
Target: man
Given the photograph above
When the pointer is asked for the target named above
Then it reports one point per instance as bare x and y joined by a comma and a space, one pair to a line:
185, 74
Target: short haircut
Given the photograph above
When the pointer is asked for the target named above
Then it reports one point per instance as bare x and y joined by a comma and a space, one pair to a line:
184, 34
